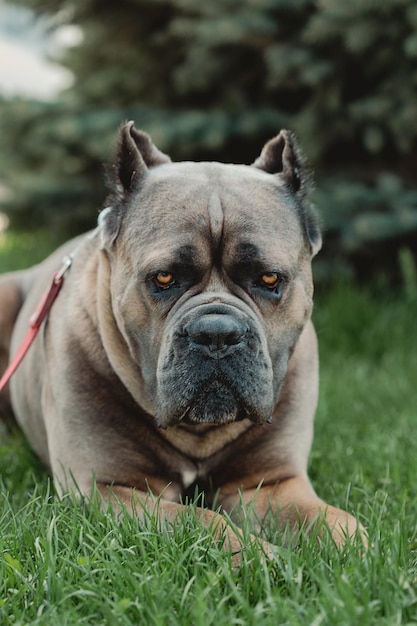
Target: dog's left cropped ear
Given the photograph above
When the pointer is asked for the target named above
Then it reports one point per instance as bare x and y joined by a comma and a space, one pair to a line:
135, 154
282, 156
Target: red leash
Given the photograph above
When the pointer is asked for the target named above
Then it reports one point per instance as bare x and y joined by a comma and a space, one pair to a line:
36, 319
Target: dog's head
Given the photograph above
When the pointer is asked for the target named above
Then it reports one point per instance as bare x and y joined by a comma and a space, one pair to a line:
210, 276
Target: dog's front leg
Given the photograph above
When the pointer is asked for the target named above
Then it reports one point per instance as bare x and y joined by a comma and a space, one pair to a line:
294, 503
142, 504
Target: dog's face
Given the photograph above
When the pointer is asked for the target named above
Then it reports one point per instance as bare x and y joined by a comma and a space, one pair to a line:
210, 278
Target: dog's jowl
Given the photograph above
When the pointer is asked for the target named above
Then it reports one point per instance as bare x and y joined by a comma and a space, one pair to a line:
180, 350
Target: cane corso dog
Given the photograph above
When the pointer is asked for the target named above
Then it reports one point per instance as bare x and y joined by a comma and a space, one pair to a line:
180, 354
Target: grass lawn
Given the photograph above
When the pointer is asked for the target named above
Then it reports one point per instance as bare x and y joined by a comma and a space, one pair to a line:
64, 564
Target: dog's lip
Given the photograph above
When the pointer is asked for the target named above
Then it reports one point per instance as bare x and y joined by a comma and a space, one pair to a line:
240, 414
193, 420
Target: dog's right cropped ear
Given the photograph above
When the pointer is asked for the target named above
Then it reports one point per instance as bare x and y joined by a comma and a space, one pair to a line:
135, 154
282, 156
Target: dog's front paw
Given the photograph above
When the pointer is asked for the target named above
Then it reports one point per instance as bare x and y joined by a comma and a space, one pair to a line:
344, 527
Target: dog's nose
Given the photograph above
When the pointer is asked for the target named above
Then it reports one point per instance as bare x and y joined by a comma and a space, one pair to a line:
216, 333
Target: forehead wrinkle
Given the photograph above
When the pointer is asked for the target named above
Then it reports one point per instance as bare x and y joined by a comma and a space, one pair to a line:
216, 218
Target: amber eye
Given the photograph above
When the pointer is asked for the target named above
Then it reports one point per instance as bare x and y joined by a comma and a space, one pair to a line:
274, 282
164, 280
270, 280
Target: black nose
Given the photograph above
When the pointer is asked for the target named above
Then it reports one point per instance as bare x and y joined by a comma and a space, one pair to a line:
217, 333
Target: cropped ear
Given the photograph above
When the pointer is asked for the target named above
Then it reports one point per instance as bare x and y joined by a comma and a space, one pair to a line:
135, 154
282, 156
312, 226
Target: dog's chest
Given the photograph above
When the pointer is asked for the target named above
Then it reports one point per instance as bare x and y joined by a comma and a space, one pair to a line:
202, 449
196, 484
189, 477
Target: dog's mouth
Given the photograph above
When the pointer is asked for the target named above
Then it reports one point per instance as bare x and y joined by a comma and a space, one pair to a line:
216, 403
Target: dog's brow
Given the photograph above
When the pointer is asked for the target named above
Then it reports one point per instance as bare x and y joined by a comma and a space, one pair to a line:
247, 253
186, 255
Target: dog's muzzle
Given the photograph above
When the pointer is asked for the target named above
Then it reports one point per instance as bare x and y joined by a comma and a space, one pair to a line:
214, 368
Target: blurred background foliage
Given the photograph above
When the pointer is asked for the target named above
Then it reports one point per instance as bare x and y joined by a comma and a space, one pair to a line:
214, 80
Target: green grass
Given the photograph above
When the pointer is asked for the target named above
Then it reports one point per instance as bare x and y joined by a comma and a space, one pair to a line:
62, 563
19, 250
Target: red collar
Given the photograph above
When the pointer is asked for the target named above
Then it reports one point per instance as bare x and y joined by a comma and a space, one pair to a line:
37, 318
